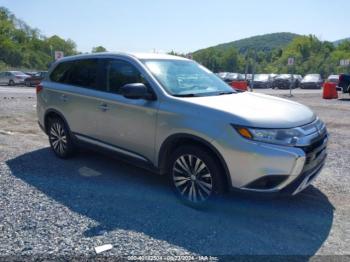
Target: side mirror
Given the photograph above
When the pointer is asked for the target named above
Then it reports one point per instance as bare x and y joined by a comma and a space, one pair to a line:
136, 91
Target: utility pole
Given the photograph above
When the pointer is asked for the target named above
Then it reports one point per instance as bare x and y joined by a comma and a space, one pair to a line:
52, 56
253, 72
291, 66
246, 66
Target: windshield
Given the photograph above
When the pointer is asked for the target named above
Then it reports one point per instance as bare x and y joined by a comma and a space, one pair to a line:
261, 77
181, 78
311, 78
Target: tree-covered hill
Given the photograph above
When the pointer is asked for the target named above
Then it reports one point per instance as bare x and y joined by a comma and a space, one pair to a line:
338, 42
266, 42
24, 47
311, 56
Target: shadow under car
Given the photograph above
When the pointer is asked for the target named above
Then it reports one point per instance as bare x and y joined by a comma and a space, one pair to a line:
121, 196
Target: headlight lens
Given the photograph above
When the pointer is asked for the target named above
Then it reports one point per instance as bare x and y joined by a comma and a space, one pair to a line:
287, 137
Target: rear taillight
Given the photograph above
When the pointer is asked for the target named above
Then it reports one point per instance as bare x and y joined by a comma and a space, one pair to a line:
341, 78
39, 88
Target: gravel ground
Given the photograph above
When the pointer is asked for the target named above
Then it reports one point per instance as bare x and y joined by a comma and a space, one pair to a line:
50, 206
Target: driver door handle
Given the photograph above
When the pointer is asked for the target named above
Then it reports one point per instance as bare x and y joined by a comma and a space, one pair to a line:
103, 107
64, 98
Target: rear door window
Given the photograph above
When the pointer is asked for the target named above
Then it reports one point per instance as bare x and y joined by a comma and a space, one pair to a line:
84, 74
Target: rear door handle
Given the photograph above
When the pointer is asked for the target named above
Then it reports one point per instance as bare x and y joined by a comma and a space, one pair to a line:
103, 107
64, 98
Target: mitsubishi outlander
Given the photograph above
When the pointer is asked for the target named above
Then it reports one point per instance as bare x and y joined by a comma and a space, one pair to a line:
173, 116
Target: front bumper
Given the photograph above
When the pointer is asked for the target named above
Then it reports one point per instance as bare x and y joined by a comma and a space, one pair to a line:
304, 180
266, 168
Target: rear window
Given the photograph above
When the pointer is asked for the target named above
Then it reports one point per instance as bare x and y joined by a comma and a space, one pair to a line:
82, 73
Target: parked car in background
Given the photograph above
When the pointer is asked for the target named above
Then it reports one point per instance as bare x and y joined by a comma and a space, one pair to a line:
228, 77
235, 80
248, 78
297, 79
311, 81
272, 76
284, 81
262, 81
30, 73
174, 117
333, 79
12, 78
344, 83
222, 75
35, 79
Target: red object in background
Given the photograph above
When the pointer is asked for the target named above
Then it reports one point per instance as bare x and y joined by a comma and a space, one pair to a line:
39, 88
241, 85
330, 90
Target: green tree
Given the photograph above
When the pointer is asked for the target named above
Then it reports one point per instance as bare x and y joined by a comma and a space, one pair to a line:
23, 46
98, 49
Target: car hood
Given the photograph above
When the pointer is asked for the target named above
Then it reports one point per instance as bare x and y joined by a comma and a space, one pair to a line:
256, 110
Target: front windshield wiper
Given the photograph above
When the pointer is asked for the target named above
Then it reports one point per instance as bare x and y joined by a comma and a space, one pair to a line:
226, 93
185, 95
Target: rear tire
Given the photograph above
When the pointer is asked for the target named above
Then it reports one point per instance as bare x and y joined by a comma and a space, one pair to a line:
60, 139
196, 175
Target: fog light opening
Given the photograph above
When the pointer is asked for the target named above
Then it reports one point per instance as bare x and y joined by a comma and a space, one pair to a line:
267, 182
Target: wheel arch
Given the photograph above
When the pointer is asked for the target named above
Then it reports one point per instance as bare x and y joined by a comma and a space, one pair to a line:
174, 141
51, 113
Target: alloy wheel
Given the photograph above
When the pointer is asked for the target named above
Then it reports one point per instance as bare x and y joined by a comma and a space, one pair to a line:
192, 178
58, 138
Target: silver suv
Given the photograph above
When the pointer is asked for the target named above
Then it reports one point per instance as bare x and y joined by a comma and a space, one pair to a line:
175, 117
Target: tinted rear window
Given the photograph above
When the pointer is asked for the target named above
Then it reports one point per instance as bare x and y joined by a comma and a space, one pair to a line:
81, 73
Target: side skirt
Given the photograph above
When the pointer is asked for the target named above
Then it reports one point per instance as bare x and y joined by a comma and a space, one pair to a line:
115, 152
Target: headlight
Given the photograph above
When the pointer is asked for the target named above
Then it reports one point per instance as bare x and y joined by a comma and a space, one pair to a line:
287, 137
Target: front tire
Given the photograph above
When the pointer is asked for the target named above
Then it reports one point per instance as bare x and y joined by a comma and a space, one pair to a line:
60, 139
11, 83
195, 175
